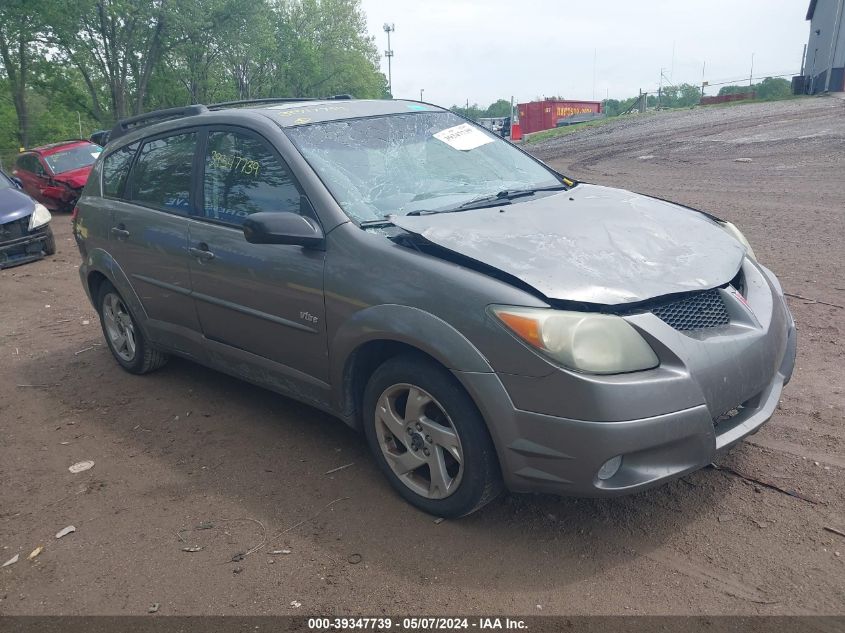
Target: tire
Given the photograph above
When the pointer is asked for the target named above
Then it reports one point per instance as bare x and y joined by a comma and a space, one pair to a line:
450, 429
123, 336
50, 242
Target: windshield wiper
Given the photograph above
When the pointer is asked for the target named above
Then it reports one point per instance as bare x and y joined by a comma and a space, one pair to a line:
369, 224
503, 197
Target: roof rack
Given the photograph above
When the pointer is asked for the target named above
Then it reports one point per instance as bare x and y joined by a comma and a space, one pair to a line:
267, 100
125, 125
229, 104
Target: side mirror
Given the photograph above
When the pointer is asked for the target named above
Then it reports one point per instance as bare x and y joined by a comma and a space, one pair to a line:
18, 182
282, 227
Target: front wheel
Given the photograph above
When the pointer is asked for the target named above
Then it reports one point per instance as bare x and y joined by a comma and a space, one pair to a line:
429, 439
50, 242
123, 336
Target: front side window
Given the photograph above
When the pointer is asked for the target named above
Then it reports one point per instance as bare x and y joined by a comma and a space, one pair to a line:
161, 177
423, 161
116, 170
76, 157
244, 176
30, 163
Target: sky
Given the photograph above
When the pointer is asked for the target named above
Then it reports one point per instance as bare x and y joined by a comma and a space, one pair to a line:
483, 50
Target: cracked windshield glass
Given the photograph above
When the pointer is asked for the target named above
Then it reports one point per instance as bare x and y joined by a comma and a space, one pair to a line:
404, 163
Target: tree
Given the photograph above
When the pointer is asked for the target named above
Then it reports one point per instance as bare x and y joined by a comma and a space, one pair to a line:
19, 27
85, 63
115, 43
773, 88
325, 49
499, 108
473, 112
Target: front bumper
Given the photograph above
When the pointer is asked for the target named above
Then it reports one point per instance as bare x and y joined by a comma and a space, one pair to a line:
542, 452
23, 250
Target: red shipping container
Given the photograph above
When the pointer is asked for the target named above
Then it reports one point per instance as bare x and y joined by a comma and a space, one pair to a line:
543, 115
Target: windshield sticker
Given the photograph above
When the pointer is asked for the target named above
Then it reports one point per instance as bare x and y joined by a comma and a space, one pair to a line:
463, 137
416, 106
96, 154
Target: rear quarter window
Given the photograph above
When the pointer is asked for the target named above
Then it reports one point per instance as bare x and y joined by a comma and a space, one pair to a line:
116, 170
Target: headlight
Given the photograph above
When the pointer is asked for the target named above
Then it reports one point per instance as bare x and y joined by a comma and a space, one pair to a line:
583, 341
735, 232
39, 217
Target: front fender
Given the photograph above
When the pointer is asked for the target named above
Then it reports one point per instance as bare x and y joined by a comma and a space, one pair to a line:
403, 324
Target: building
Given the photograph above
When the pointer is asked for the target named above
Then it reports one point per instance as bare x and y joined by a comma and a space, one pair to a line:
824, 60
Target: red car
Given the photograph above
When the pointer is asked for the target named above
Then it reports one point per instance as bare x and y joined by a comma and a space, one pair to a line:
55, 174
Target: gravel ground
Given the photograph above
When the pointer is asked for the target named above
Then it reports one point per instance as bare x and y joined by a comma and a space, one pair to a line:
187, 457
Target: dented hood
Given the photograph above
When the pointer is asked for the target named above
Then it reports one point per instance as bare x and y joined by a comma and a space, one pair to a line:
591, 244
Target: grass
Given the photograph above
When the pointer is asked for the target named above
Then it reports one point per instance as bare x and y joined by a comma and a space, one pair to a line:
545, 135
728, 104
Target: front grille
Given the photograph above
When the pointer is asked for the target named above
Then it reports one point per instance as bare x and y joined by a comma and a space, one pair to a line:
701, 310
15, 229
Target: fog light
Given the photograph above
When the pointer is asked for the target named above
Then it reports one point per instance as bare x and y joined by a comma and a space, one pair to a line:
610, 467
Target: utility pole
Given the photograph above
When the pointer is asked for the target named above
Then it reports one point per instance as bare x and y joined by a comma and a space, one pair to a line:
751, 74
660, 88
389, 28
421, 93
703, 83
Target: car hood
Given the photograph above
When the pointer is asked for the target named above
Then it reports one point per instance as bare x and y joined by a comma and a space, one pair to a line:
591, 244
76, 178
14, 205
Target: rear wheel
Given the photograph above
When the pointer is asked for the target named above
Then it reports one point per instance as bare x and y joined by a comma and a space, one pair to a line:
429, 439
123, 336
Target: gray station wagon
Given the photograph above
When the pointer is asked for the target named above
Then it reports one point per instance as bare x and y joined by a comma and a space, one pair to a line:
486, 321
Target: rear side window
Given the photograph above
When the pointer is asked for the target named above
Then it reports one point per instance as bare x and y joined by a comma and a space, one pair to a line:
244, 176
116, 170
161, 177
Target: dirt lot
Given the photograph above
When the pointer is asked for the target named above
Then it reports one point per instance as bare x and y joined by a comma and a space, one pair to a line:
187, 447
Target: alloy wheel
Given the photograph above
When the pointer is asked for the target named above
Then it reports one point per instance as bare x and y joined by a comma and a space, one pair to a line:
419, 441
119, 327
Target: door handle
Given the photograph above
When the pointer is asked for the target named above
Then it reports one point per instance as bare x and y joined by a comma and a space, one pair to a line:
202, 253
120, 232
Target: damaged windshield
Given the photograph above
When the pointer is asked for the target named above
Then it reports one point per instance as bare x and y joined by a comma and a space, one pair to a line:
412, 163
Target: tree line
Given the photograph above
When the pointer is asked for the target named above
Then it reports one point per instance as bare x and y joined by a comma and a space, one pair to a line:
69, 64
687, 95
499, 108
672, 96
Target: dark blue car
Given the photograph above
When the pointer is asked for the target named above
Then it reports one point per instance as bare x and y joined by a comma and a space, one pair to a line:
25, 233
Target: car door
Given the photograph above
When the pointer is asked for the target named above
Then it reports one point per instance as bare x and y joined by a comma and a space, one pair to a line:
265, 300
149, 230
33, 176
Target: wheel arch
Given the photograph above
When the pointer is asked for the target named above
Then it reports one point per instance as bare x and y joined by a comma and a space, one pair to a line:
101, 267
375, 334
